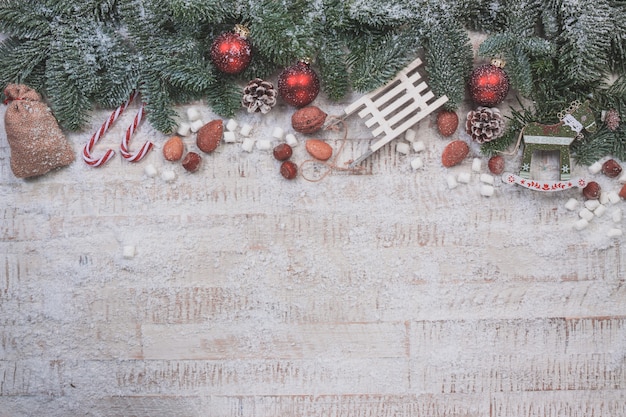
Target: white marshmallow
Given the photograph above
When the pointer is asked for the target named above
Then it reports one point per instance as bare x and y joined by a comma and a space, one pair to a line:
246, 129
604, 198
419, 146
150, 170
128, 252
410, 135
614, 197
417, 163
614, 232
592, 204
464, 177
487, 190
231, 125
278, 132
451, 181
248, 144
585, 214
599, 211
230, 137
476, 164
617, 215
581, 224
184, 129
291, 140
571, 204
193, 114
196, 125
487, 179
622, 178
168, 176
264, 144
595, 167
403, 148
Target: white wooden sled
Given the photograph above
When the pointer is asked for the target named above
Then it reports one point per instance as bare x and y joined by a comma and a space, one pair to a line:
395, 107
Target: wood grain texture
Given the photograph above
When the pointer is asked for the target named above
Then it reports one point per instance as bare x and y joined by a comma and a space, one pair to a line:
373, 294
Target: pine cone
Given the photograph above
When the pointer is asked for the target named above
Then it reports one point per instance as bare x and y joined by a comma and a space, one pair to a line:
259, 96
484, 124
612, 120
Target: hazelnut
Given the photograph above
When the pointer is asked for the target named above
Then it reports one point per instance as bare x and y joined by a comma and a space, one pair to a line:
283, 152
289, 170
611, 168
592, 191
191, 162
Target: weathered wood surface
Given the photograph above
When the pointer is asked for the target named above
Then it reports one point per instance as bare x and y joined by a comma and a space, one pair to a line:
381, 294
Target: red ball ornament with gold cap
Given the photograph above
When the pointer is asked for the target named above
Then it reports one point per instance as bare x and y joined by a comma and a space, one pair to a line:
231, 52
489, 84
298, 85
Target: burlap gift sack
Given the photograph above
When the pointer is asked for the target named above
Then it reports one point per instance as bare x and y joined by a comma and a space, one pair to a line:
37, 143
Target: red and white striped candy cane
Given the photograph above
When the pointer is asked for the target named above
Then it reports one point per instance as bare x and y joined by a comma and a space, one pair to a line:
137, 156
88, 148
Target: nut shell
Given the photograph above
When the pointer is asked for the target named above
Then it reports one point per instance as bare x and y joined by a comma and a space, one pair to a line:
308, 120
447, 122
454, 153
173, 149
191, 162
319, 149
210, 135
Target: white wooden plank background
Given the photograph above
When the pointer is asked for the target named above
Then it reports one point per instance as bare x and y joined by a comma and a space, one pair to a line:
382, 294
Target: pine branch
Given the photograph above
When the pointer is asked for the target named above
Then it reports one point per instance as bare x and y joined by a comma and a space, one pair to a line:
448, 62
333, 68
224, 98
585, 40
19, 59
375, 59
23, 19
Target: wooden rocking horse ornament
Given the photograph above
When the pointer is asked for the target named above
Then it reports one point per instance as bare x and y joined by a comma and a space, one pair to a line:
556, 137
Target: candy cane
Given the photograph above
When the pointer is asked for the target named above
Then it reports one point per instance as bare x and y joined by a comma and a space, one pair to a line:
138, 156
88, 148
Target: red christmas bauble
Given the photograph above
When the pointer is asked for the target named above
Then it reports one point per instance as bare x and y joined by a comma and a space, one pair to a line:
488, 85
231, 52
298, 84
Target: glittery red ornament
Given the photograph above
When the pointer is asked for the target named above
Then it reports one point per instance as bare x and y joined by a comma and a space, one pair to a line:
298, 84
488, 85
231, 52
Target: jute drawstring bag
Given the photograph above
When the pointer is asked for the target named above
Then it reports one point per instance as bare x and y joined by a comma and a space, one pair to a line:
36, 141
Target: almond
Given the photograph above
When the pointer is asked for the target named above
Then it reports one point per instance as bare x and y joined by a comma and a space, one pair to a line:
454, 153
496, 164
173, 149
210, 135
319, 149
308, 120
447, 122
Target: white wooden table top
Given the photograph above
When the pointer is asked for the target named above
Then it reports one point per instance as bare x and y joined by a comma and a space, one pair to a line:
382, 294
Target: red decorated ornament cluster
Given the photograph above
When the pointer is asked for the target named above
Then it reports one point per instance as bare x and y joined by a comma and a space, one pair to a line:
298, 85
231, 52
488, 85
